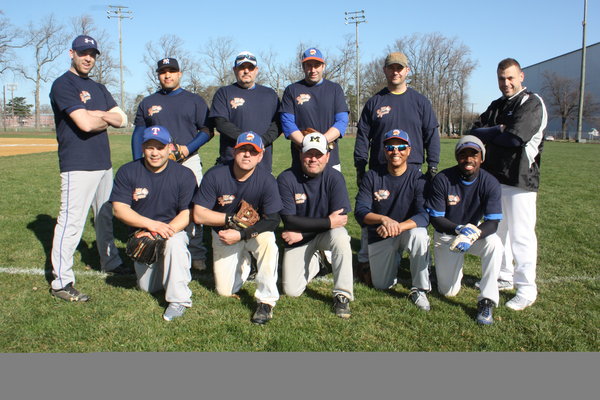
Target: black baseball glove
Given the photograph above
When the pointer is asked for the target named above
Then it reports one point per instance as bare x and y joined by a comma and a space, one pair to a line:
145, 247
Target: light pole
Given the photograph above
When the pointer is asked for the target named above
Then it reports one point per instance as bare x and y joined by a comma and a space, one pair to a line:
356, 17
119, 13
582, 77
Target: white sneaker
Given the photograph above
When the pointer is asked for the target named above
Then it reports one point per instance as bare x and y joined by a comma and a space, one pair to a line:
502, 285
518, 303
174, 310
420, 299
199, 265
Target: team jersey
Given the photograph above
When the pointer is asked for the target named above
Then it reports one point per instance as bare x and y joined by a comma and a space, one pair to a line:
158, 196
221, 192
78, 150
385, 111
524, 116
251, 109
464, 202
183, 113
398, 197
314, 107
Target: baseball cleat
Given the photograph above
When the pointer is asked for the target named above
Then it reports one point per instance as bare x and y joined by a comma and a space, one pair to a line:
175, 310
263, 314
518, 303
502, 285
69, 293
341, 306
419, 297
484, 312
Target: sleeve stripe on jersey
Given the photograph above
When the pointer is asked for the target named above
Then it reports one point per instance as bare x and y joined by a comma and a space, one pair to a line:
434, 213
492, 217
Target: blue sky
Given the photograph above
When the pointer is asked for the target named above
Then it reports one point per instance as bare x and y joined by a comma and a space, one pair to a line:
528, 30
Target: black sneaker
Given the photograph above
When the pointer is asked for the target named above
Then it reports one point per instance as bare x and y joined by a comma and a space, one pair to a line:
69, 293
341, 306
263, 314
484, 312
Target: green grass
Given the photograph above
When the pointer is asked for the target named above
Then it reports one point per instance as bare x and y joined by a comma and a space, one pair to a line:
120, 318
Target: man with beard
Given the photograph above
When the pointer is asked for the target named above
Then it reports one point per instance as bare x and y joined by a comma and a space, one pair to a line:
460, 197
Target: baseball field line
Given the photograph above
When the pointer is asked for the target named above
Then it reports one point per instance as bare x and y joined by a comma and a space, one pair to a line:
206, 277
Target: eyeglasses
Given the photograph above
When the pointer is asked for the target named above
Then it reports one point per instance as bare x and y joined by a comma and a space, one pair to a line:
399, 147
245, 57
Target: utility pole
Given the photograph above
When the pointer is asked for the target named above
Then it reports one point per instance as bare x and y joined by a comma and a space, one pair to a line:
12, 87
356, 17
119, 13
582, 76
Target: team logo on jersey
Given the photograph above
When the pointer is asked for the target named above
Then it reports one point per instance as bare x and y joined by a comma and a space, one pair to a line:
300, 198
382, 194
383, 111
154, 110
85, 96
237, 102
225, 199
453, 199
303, 98
140, 193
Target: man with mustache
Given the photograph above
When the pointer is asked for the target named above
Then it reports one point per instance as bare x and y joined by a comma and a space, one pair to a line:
459, 198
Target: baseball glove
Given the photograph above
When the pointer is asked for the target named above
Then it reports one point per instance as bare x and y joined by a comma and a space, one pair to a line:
467, 235
176, 154
145, 247
245, 216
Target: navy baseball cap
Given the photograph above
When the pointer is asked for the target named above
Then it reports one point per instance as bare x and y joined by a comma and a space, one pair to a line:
84, 42
397, 134
157, 132
244, 57
313, 54
250, 138
167, 63
470, 142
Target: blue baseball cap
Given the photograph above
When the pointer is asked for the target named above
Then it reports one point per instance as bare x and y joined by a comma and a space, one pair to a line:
397, 134
250, 138
157, 132
84, 42
313, 54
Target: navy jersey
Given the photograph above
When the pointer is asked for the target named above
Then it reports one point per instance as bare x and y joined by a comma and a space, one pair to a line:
158, 196
314, 107
221, 192
249, 109
398, 197
183, 113
410, 112
77, 150
464, 202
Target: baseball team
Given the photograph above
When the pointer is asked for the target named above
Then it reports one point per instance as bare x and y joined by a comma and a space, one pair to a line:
484, 205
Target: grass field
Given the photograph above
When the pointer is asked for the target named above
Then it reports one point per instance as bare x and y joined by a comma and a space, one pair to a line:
120, 318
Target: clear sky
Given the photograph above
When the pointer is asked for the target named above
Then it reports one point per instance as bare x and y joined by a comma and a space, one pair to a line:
528, 30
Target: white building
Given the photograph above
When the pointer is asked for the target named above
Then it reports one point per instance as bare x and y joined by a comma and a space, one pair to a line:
568, 66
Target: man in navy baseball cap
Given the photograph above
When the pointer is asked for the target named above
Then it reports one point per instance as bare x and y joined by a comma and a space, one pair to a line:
84, 42
170, 63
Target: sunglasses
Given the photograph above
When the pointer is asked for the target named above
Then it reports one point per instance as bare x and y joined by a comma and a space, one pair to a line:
245, 57
399, 147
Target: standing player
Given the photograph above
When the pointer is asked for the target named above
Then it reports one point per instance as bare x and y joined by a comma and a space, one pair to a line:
460, 197
397, 106
315, 204
83, 110
513, 129
155, 194
316, 103
215, 203
245, 106
390, 203
185, 115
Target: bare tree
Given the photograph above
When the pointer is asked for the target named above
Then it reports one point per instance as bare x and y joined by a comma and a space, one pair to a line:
218, 56
170, 46
563, 98
106, 65
9, 39
271, 73
47, 40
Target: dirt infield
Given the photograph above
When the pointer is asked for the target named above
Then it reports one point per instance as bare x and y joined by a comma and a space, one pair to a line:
14, 146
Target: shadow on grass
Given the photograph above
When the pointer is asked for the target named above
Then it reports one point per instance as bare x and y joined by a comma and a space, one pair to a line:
43, 229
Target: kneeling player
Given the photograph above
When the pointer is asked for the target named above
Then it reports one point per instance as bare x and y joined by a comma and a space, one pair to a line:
215, 204
315, 204
154, 194
459, 199
390, 203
